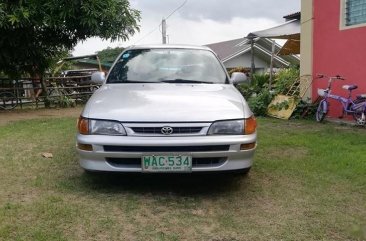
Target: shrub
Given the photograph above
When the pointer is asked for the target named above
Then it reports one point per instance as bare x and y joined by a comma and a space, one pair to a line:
259, 96
285, 78
304, 110
259, 103
257, 84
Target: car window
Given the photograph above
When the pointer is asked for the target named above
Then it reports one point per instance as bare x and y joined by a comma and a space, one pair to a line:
167, 65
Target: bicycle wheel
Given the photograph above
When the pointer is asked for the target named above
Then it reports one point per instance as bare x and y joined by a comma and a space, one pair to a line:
55, 93
359, 117
359, 114
8, 101
51, 93
322, 111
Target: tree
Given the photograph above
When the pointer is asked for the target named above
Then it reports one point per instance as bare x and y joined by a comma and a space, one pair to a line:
34, 32
109, 54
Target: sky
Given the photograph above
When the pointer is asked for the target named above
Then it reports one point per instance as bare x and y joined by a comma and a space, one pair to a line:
198, 22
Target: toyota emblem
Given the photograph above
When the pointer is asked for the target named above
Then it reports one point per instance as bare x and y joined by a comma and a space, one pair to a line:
166, 130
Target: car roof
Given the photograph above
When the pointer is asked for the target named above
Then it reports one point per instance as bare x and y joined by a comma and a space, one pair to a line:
169, 46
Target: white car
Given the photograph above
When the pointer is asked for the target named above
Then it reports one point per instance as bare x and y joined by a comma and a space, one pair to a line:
167, 108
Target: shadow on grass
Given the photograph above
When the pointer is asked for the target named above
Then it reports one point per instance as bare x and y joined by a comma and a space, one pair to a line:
177, 184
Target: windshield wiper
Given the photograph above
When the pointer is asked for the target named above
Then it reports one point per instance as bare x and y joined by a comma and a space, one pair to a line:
137, 81
185, 81
128, 81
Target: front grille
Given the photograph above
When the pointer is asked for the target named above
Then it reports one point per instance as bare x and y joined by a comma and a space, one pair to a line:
166, 148
157, 130
196, 162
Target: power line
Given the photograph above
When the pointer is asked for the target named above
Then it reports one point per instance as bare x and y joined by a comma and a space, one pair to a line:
158, 27
163, 23
179, 7
146, 35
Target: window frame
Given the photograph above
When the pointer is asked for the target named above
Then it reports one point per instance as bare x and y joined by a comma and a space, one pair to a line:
343, 20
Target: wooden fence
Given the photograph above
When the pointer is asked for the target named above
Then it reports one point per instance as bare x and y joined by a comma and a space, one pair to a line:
22, 92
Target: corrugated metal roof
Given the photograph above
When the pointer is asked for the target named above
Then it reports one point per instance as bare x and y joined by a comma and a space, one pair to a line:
262, 47
229, 48
292, 16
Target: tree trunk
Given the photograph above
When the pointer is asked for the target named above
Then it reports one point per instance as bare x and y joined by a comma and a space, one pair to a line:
47, 102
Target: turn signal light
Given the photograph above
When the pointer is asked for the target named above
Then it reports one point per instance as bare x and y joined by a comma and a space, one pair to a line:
83, 126
250, 125
247, 146
85, 147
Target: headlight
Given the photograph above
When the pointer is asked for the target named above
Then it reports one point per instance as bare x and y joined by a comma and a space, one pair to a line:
233, 127
100, 127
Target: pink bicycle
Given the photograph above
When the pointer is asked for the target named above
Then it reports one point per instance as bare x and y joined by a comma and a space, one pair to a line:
355, 107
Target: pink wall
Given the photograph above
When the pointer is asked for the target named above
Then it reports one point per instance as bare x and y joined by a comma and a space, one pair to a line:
337, 51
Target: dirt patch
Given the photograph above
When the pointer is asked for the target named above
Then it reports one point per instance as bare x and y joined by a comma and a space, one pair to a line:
17, 115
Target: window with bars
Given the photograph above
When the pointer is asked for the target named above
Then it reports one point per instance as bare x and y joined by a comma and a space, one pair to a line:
355, 12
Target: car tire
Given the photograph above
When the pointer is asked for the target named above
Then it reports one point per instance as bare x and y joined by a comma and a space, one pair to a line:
90, 173
243, 172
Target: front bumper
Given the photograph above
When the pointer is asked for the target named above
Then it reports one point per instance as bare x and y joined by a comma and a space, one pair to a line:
126, 155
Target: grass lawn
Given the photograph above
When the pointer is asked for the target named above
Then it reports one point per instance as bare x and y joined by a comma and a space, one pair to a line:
308, 183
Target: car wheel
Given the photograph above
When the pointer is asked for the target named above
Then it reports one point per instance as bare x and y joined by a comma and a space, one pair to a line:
243, 172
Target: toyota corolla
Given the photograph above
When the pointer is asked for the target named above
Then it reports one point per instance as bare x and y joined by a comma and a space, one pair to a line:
167, 108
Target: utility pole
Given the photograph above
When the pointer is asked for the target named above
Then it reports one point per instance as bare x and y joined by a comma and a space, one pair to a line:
271, 66
163, 30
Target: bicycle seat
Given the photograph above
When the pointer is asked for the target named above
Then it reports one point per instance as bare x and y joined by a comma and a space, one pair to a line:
349, 87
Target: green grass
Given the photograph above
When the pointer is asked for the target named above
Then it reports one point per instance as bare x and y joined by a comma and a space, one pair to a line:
308, 183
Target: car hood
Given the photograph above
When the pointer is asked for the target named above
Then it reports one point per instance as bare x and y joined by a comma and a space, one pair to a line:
166, 103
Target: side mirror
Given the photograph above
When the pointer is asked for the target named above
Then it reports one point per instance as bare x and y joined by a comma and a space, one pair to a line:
98, 77
238, 78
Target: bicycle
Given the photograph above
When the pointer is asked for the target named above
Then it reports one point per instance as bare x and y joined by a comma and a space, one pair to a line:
356, 107
8, 100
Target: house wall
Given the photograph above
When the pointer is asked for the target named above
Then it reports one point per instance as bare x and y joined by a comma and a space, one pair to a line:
244, 60
337, 50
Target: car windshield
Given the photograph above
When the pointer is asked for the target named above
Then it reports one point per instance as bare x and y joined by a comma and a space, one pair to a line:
168, 66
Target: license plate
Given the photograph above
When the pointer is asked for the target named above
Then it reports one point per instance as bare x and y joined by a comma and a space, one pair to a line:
166, 163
